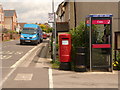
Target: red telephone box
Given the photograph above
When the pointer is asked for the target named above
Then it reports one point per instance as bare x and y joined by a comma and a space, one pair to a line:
99, 27
65, 51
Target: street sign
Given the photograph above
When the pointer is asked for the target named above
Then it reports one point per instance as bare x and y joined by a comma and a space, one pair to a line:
50, 17
106, 21
100, 21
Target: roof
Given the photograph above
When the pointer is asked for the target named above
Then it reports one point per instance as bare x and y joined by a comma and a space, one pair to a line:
1, 8
30, 26
0, 5
22, 24
9, 13
59, 7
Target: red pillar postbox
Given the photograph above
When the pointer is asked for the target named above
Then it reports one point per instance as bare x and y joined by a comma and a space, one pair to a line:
65, 51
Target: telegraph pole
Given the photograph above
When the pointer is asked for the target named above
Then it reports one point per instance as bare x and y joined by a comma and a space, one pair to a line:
54, 32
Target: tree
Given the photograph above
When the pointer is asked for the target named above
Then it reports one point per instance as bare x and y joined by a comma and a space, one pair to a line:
45, 27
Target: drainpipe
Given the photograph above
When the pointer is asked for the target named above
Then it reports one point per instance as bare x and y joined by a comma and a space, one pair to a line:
75, 14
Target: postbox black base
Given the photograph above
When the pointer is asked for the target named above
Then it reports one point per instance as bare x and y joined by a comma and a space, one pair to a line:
65, 66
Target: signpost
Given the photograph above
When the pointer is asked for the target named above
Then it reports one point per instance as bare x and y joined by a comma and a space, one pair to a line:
52, 19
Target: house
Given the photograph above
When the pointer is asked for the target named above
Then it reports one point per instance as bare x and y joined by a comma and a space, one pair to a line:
10, 19
21, 25
60, 13
1, 17
47, 25
85, 8
75, 12
63, 18
18, 28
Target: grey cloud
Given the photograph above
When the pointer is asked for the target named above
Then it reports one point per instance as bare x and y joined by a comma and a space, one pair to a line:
30, 12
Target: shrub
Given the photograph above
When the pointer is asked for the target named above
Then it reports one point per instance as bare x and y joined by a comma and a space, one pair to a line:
78, 35
80, 38
4, 30
10, 31
116, 64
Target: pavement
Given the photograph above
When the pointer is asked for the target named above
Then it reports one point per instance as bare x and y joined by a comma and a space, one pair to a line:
27, 70
31, 70
71, 79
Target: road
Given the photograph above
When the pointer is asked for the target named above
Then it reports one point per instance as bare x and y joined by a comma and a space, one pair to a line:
21, 63
28, 67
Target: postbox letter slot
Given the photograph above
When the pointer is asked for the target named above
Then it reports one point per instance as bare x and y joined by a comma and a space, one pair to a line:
65, 38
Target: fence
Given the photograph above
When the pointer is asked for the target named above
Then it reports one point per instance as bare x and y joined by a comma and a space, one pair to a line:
8, 36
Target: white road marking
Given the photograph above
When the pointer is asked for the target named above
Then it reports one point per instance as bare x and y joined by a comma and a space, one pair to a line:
0, 56
7, 52
5, 57
15, 65
17, 53
50, 79
3, 81
8, 57
23, 58
28, 61
10, 52
24, 77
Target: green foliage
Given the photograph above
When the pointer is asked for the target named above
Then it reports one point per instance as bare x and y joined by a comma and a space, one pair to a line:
79, 36
49, 30
55, 64
4, 31
116, 64
57, 46
10, 31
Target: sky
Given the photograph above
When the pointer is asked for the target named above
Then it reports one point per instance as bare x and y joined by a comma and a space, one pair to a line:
31, 11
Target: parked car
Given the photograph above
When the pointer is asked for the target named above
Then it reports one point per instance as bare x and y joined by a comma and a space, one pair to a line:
44, 35
31, 33
48, 35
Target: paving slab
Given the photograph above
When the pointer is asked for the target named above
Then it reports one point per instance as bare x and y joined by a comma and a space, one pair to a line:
28, 78
71, 79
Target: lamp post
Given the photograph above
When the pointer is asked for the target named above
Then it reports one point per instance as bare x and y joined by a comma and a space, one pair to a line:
54, 30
